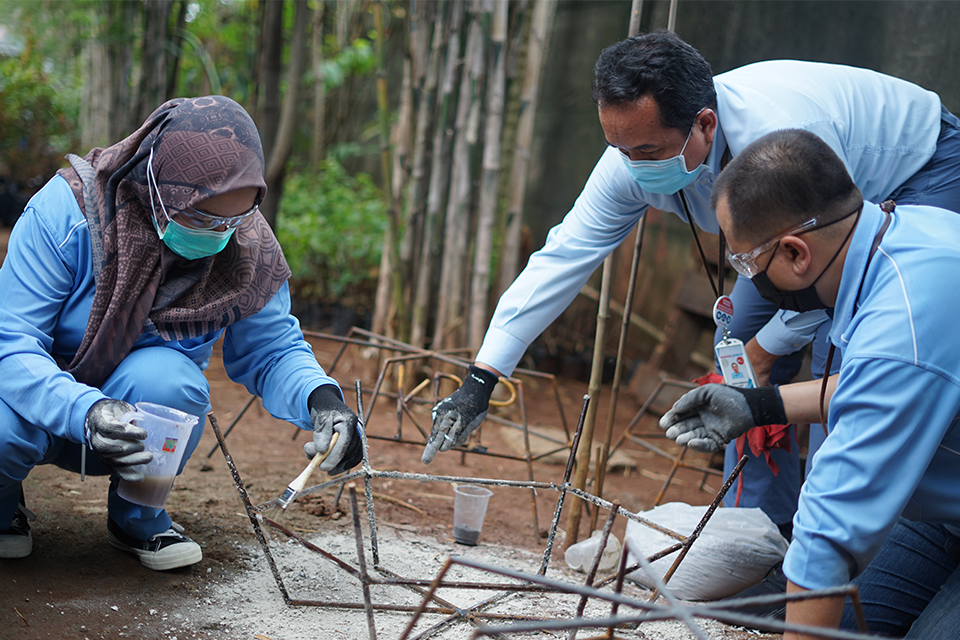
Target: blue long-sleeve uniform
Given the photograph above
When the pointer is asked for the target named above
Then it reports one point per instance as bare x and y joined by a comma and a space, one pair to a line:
894, 443
47, 288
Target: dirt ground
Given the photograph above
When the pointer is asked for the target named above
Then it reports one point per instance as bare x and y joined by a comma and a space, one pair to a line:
74, 585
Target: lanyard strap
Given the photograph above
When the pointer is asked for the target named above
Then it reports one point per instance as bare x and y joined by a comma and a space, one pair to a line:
888, 207
721, 267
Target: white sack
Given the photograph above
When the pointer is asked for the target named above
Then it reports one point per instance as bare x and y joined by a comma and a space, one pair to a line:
734, 551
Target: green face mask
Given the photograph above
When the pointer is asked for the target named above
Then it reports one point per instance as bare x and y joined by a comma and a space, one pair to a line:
187, 242
193, 244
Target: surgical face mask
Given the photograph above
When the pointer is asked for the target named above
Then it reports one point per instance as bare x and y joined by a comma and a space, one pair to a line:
663, 176
193, 244
801, 300
189, 243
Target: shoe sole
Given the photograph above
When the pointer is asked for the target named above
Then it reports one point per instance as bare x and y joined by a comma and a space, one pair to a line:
161, 561
16, 547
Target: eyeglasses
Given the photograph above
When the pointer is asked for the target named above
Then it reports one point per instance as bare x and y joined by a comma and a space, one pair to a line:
745, 263
201, 220
192, 216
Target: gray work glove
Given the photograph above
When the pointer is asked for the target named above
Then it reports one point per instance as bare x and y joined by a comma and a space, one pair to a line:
456, 416
118, 444
709, 417
328, 413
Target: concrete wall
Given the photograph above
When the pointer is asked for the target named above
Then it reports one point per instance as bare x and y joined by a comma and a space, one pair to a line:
915, 40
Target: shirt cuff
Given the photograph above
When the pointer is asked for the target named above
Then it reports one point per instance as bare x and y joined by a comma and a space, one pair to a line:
788, 331
501, 350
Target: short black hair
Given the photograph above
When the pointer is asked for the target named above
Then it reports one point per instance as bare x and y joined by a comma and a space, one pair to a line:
783, 179
659, 65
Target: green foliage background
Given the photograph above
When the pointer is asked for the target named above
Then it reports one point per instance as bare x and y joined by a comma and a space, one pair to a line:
331, 228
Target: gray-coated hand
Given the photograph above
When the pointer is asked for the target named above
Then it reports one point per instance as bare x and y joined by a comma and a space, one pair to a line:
329, 414
117, 443
707, 418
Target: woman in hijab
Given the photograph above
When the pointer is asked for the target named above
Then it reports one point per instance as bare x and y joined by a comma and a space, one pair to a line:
137, 260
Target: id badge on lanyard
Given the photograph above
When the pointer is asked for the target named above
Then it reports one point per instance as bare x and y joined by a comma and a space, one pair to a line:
731, 354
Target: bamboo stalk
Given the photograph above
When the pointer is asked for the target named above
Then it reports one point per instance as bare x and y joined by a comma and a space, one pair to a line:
449, 40
456, 225
543, 14
593, 390
490, 178
392, 237
317, 150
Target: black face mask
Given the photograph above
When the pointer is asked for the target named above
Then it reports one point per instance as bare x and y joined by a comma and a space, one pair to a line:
801, 300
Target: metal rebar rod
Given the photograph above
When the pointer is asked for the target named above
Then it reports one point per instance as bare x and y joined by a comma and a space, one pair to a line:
703, 522
564, 487
306, 544
236, 419
251, 512
682, 613
361, 561
367, 486
529, 458
618, 587
601, 547
418, 612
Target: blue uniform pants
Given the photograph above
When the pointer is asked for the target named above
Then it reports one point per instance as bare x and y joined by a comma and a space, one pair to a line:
936, 184
912, 587
153, 374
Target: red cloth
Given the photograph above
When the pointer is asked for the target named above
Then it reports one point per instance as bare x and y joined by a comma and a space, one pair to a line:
762, 439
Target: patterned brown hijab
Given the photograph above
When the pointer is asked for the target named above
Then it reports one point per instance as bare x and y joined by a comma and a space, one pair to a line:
202, 147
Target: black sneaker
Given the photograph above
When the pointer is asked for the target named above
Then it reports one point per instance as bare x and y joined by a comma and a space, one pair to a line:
16, 541
167, 550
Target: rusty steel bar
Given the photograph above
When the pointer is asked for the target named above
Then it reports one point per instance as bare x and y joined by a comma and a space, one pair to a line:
564, 487
703, 521
601, 547
236, 419
367, 486
251, 513
362, 561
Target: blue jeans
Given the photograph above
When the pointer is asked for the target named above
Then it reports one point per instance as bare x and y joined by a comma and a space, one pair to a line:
24, 446
936, 184
912, 587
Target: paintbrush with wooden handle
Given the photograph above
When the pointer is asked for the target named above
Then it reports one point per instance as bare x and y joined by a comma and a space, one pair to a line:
298, 483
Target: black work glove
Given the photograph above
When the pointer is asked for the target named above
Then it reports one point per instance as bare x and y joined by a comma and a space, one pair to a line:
118, 444
709, 417
456, 416
328, 413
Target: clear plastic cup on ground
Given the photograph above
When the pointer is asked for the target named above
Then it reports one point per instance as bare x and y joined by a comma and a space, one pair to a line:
469, 510
168, 431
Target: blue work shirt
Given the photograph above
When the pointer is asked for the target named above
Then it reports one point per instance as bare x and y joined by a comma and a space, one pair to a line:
47, 285
883, 128
894, 442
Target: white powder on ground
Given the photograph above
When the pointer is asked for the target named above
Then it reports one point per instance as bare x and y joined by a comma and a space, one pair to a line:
248, 604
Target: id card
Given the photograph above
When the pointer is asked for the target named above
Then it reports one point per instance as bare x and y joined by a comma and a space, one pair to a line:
734, 364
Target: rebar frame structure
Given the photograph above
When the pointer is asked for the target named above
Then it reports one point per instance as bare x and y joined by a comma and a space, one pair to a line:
406, 353
648, 610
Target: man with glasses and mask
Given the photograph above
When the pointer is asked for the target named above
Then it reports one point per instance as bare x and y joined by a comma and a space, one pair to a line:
881, 503
136, 261
671, 126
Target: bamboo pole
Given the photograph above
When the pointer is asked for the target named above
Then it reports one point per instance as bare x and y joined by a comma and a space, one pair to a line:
596, 370
593, 390
456, 225
317, 150
391, 238
448, 40
543, 14
490, 177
